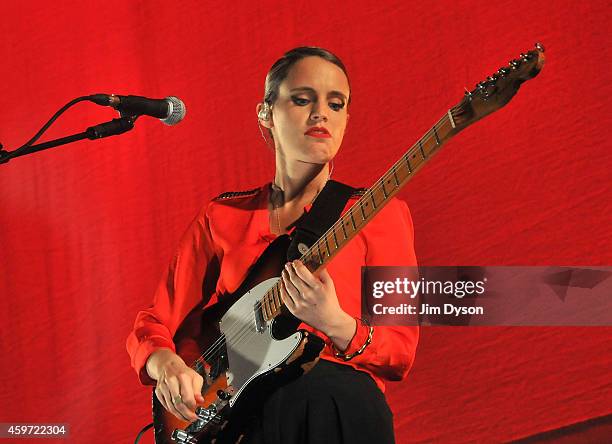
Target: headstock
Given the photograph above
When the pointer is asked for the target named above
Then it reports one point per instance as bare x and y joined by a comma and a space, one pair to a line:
496, 90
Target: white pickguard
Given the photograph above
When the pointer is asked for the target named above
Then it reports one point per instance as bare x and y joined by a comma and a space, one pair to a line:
251, 353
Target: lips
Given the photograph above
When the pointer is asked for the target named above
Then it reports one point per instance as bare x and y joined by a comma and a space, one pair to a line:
318, 131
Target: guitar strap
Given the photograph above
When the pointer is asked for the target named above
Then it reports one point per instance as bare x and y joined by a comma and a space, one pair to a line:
325, 210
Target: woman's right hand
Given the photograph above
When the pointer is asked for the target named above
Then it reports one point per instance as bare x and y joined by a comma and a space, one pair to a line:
179, 387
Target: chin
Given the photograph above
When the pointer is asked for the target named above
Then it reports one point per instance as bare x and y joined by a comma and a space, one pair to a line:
321, 158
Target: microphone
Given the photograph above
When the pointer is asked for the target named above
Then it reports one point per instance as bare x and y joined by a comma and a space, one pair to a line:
170, 110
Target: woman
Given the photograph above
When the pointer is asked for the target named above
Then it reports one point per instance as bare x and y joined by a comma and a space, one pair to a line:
305, 113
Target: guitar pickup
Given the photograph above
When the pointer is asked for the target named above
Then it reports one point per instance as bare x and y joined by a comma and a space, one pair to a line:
260, 322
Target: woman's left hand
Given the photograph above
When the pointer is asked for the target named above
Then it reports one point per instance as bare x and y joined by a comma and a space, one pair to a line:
313, 300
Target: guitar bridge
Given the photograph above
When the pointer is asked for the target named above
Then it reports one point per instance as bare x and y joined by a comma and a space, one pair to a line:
209, 421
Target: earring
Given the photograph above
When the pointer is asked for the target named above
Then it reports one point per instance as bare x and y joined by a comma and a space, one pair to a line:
264, 112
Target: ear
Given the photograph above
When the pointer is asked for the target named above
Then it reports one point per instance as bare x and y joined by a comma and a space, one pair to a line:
265, 122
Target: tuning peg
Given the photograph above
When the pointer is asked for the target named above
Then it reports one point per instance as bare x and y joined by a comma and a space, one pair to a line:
467, 92
503, 71
539, 47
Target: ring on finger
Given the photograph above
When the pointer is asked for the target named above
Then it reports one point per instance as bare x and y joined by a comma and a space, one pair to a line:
177, 400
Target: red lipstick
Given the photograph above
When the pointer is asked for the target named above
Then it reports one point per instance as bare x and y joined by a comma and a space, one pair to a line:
318, 131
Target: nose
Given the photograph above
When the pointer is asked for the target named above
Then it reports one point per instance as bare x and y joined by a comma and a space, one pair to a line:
317, 115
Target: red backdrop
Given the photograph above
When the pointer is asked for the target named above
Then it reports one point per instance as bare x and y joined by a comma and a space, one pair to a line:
86, 229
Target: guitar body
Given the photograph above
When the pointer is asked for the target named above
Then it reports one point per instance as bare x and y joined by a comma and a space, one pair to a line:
253, 358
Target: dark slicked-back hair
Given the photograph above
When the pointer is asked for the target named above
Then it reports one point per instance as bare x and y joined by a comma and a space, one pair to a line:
281, 67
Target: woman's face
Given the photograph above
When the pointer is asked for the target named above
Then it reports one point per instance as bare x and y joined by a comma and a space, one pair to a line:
313, 95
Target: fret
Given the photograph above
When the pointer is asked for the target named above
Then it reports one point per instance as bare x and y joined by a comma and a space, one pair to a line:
308, 259
422, 151
397, 183
265, 306
389, 182
276, 295
352, 220
344, 229
313, 257
335, 238
403, 172
408, 162
436, 134
270, 305
327, 246
383, 189
262, 302
373, 201
321, 255
450, 118
273, 305
363, 215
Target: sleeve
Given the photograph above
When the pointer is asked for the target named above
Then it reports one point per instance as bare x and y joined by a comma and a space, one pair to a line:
178, 292
390, 242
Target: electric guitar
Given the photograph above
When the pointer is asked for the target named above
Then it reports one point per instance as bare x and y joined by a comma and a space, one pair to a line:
249, 340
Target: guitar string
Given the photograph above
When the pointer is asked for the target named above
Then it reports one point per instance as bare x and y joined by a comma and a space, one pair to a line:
240, 328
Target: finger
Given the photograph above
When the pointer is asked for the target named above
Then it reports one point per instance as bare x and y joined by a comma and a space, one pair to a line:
325, 277
183, 411
297, 282
197, 383
180, 415
175, 399
292, 290
161, 398
168, 404
186, 388
286, 297
304, 274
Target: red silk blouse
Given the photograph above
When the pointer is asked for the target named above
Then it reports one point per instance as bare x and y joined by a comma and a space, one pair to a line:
235, 231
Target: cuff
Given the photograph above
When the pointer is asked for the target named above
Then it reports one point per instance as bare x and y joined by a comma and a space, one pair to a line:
146, 347
359, 338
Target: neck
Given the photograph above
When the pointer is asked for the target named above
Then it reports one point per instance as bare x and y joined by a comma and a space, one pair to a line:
297, 186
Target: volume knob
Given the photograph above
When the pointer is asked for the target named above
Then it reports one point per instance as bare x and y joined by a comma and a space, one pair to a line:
224, 396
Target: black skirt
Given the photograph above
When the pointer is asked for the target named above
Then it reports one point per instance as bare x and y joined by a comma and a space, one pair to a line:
331, 404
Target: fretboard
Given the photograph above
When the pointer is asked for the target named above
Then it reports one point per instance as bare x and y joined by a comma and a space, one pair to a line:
368, 205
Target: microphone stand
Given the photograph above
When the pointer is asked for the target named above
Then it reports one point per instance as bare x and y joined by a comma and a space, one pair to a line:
112, 128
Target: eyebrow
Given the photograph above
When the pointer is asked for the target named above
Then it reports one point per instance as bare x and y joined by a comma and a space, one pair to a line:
310, 89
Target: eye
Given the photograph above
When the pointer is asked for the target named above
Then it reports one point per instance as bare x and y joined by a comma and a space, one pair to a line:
300, 101
336, 106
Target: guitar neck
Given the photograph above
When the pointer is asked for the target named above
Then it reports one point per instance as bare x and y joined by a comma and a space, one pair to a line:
364, 210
